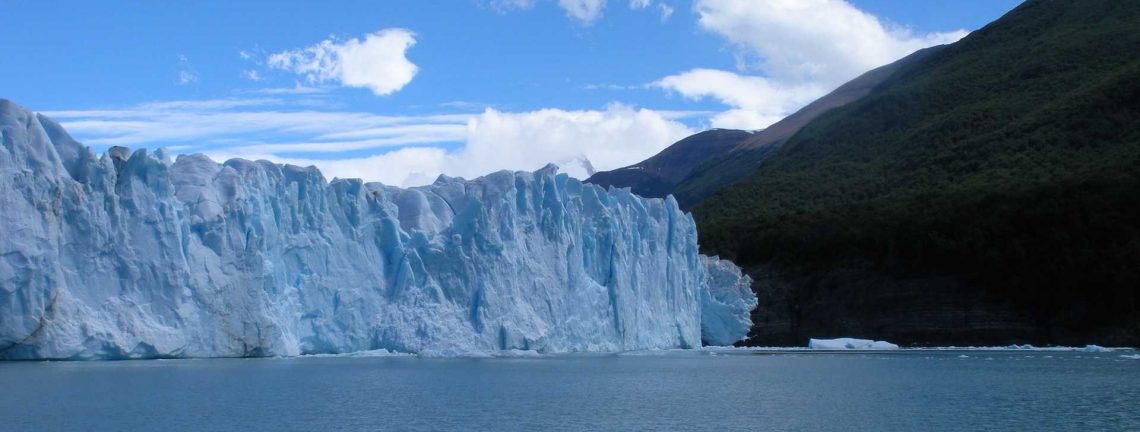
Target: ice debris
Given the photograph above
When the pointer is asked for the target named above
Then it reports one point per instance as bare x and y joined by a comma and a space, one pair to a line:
850, 344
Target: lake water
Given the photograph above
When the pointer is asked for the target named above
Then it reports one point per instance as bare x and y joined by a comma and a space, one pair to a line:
905, 391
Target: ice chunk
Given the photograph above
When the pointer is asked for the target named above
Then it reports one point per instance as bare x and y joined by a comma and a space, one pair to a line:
727, 304
850, 344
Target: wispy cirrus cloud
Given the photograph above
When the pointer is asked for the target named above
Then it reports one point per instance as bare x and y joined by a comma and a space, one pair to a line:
584, 12
202, 123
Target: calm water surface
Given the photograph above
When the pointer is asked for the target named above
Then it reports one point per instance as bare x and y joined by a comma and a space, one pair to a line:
676, 391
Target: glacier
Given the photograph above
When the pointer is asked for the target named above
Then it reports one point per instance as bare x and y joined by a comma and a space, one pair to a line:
135, 255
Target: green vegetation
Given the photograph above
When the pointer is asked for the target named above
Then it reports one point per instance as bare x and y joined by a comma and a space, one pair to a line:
1010, 160
716, 173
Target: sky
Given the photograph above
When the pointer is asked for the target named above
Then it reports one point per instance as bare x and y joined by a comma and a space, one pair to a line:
403, 91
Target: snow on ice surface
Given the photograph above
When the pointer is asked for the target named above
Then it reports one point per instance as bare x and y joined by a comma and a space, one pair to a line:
850, 344
135, 255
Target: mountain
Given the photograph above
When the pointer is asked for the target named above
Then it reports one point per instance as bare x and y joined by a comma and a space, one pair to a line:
986, 193
133, 255
657, 176
695, 167
720, 170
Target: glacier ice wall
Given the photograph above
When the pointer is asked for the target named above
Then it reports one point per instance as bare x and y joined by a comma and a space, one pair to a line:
133, 255
726, 302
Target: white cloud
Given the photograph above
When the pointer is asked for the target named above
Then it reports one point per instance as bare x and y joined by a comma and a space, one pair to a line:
187, 77
297, 89
251, 75
812, 40
510, 5
230, 122
186, 73
749, 92
801, 49
401, 150
606, 139
584, 11
370, 168
743, 119
758, 101
378, 62
612, 138
664, 9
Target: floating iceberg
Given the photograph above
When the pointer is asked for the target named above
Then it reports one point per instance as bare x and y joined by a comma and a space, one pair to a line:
850, 344
135, 255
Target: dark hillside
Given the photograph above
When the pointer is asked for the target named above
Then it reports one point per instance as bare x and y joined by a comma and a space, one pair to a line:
719, 170
994, 185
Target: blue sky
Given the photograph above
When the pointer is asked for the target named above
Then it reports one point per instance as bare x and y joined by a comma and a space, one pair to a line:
401, 91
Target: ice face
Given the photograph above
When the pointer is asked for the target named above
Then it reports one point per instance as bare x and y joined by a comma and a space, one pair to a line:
133, 255
726, 304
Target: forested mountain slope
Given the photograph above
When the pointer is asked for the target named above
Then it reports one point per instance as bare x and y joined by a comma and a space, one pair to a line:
719, 170
989, 192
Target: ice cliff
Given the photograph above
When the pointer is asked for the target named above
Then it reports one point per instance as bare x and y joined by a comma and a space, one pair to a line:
133, 255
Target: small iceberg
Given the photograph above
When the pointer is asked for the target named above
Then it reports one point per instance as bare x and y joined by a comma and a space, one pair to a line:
1020, 347
850, 344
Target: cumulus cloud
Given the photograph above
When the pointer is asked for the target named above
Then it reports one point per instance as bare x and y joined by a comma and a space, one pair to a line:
801, 49
809, 40
378, 62
617, 136
400, 150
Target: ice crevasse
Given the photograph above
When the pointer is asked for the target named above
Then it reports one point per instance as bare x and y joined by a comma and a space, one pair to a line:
134, 255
